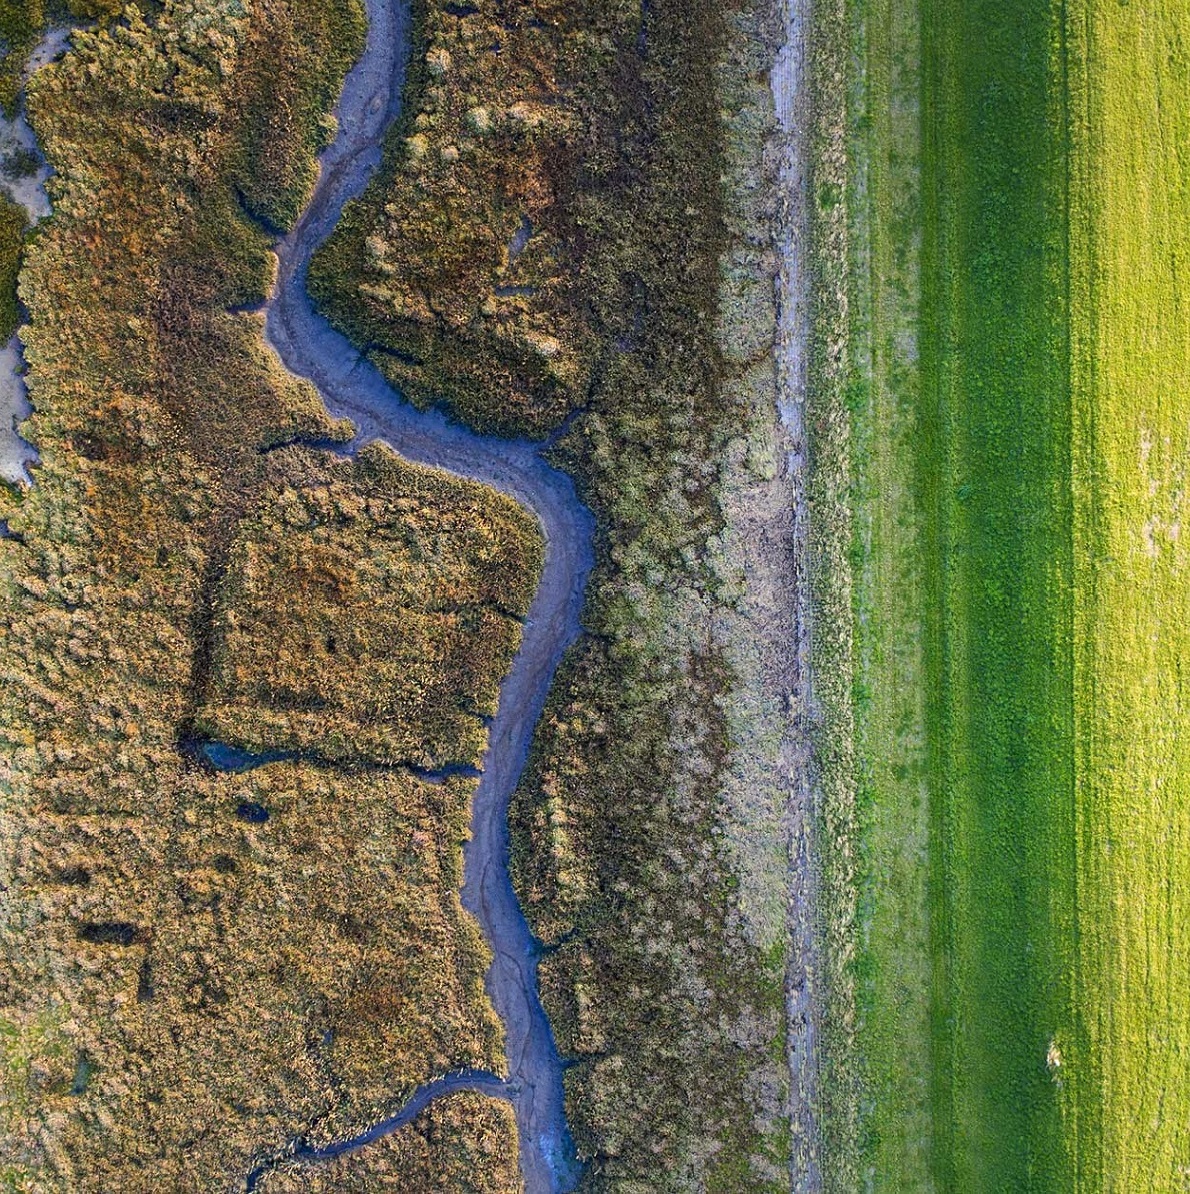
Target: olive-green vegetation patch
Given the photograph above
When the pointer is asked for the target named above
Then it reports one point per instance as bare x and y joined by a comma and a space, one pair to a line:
463, 1142
98, 9
12, 242
21, 24
295, 62
197, 967
369, 610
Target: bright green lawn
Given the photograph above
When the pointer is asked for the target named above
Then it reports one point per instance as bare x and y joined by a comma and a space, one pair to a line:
994, 459
1128, 1095
1022, 594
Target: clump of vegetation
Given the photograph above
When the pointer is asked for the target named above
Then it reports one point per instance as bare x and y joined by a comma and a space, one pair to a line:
13, 222
100, 9
20, 163
459, 1142
369, 610
293, 67
21, 24
199, 966
579, 150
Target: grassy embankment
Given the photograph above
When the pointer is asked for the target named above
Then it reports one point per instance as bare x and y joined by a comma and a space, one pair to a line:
1125, 1066
197, 966
879, 388
962, 603
548, 235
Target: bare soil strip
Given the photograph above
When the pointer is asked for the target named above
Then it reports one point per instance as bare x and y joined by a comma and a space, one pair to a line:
790, 84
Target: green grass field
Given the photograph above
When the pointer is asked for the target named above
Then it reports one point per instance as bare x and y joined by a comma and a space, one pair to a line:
960, 429
993, 460
1018, 395
1128, 1099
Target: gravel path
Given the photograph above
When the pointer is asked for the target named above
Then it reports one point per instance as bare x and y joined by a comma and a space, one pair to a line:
791, 94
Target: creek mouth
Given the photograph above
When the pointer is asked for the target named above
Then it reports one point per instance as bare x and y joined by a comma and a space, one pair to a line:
352, 387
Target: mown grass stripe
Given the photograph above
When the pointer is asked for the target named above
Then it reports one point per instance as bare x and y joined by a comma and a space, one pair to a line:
1129, 1099
993, 472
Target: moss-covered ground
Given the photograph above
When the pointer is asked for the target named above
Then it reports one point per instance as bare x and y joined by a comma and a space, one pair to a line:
21, 24
13, 222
